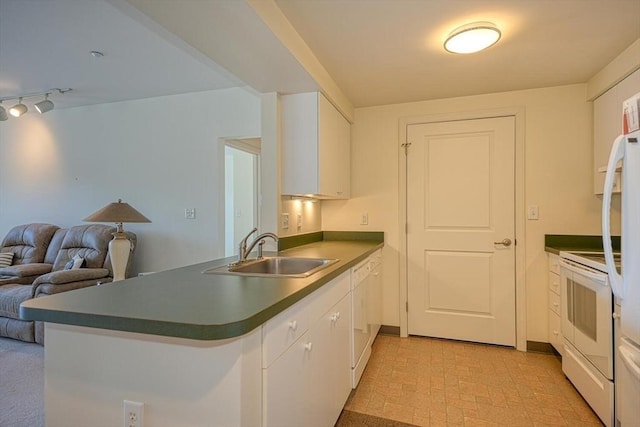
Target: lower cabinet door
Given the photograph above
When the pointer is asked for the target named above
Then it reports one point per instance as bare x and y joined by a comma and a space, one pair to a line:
284, 386
330, 375
310, 382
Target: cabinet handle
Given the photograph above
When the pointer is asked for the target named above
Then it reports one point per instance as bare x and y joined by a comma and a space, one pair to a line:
308, 346
293, 325
555, 332
555, 304
615, 315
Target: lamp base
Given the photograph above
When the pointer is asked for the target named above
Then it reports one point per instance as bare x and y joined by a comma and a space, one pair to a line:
119, 249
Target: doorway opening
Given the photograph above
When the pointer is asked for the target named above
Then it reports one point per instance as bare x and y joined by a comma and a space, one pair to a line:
241, 190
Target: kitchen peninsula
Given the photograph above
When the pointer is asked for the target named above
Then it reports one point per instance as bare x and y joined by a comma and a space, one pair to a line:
201, 349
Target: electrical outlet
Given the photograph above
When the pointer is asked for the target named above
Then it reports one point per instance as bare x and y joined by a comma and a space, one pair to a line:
364, 218
285, 221
133, 414
190, 213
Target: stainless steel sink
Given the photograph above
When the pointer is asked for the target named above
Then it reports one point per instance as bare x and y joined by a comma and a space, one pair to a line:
275, 267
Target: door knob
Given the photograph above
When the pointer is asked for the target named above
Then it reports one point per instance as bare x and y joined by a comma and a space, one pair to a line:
504, 242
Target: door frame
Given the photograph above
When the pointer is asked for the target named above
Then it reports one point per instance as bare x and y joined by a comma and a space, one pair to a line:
520, 223
249, 144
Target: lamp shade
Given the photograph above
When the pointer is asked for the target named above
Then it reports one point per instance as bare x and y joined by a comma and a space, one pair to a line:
118, 212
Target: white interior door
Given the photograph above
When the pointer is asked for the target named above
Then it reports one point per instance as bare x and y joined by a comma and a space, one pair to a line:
461, 230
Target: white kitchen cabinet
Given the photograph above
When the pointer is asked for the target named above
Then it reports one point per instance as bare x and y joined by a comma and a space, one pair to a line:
316, 147
607, 125
555, 304
309, 382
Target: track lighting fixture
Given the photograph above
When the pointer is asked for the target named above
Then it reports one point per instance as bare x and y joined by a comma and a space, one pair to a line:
44, 106
3, 113
19, 109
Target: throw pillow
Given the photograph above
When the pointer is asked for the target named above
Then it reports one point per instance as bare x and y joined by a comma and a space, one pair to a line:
76, 262
6, 259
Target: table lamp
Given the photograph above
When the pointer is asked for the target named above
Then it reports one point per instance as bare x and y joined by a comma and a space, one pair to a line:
119, 247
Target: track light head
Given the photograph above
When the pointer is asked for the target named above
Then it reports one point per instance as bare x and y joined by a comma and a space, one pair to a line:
44, 106
3, 113
18, 109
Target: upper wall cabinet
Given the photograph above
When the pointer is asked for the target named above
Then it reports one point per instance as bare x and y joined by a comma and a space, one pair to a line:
607, 125
316, 147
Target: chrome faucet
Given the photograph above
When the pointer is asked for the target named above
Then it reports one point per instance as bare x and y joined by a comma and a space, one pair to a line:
244, 250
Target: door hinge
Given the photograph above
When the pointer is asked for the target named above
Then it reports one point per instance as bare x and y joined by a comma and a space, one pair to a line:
406, 228
406, 306
406, 146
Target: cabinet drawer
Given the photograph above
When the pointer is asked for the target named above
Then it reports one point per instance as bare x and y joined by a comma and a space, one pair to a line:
283, 330
554, 283
554, 263
554, 303
327, 296
555, 335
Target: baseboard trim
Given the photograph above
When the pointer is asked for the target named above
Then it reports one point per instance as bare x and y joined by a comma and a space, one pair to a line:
389, 330
540, 347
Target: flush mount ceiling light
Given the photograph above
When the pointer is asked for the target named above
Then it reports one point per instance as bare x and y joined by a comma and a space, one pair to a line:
471, 38
18, 109
44, 106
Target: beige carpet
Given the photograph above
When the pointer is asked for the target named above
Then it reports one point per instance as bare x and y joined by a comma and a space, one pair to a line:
21, 384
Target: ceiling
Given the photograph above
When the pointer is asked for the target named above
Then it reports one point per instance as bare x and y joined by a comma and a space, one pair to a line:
377, 51
390, 51
46, 44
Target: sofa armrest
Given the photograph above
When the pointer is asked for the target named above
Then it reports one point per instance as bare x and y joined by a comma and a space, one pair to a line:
26, 270
61, 277
45, 289
66, 280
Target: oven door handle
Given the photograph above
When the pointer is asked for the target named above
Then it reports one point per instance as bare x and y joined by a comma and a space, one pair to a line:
617, 154
576, 268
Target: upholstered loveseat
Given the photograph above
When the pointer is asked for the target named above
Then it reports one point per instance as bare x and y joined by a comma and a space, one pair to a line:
55, 272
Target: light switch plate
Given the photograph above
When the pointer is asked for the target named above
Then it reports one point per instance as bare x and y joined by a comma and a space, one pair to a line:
533, 213
364, 218
285, 221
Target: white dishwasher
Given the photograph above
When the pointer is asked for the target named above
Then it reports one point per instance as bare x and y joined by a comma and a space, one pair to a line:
360, 325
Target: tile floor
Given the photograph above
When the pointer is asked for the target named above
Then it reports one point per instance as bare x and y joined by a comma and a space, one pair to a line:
434, 382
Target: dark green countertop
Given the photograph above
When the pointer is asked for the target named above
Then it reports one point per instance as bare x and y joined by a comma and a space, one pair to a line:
185, 303
554, 243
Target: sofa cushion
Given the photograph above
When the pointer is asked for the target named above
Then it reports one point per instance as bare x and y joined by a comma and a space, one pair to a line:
11, 296
90, 242
6, 259
26, 270
28, 242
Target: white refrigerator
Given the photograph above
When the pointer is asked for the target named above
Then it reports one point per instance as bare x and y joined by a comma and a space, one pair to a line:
626, 285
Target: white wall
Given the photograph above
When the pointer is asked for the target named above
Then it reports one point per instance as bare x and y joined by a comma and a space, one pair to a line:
558, 153
157, 154
311, 216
